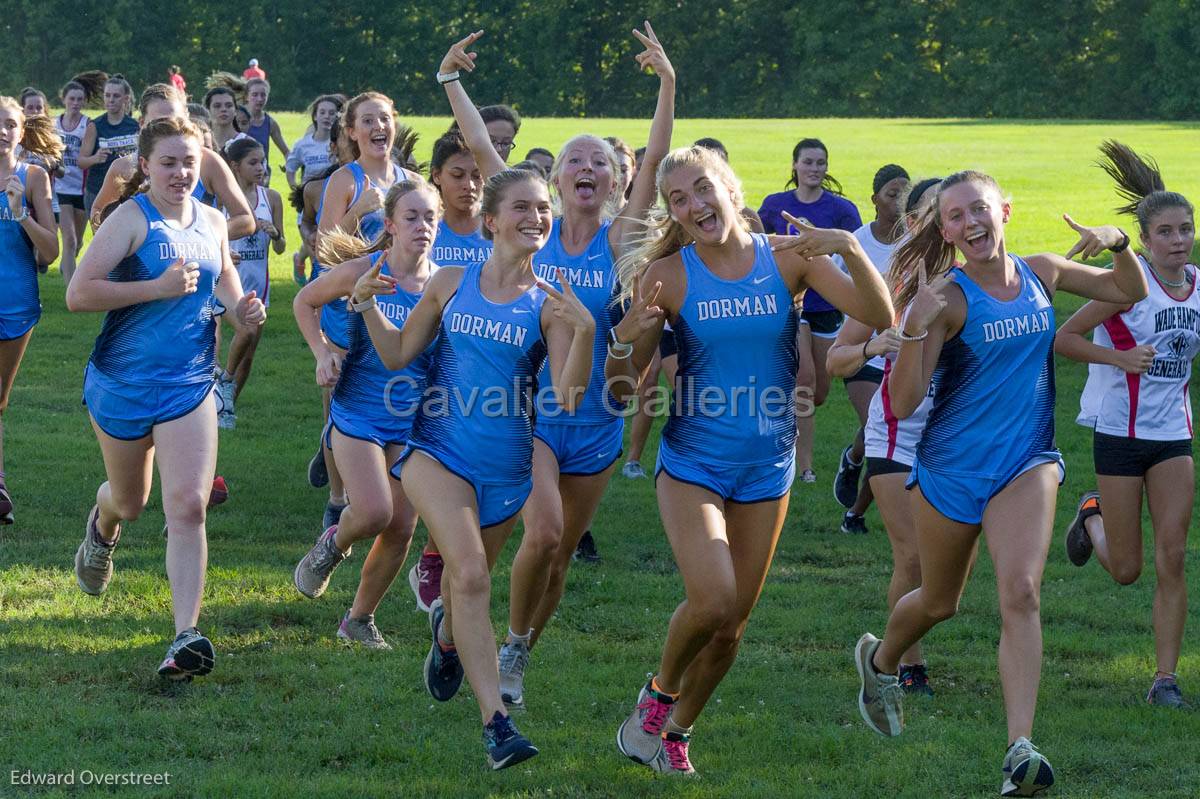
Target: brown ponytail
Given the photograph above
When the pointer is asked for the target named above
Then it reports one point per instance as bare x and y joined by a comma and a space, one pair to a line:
1139, 183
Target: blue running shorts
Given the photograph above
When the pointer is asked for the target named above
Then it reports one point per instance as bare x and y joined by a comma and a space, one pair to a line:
129, 412
963, 498
760, 482
581, 449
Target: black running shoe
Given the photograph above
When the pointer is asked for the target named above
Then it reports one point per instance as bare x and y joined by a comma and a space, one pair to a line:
1079, 543
845, 484
190, 655
505, 746
914, 679
586, 551
854, 524
318, 475
443, 669
6, 506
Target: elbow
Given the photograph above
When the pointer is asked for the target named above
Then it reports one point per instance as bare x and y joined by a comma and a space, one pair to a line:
75, 302
390, 361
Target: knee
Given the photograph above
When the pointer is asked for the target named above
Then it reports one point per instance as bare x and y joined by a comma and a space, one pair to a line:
728, 638
541, 537
1021, 596
1126, 572
471, 579
371, 516
186, 507
1168, 560
714, 613
939, 609
129, 508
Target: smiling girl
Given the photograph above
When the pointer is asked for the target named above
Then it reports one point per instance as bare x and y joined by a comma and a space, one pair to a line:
27, 239
987, 461
156, 266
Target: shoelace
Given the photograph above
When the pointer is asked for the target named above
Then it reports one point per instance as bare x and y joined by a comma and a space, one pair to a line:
677, 754
513, 659
656, 715
891, 692
502, 729
328, 556
373, 633
98, 556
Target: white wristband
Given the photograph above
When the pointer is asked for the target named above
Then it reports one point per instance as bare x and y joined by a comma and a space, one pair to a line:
365, 305
624, 352
449, 77
24, 214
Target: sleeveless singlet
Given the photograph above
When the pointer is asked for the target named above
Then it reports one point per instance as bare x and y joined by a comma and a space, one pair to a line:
453, 249
169, 341
1155, 405
593, 279
478, 409
369, 391
261, 133
254, 249
72, 180
119, 139
18, 263
993, 406
733, 402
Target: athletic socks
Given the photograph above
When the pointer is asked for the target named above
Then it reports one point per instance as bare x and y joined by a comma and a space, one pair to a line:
520, 639
654, 686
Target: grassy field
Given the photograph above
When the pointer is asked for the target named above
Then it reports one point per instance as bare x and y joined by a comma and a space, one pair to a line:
289, 711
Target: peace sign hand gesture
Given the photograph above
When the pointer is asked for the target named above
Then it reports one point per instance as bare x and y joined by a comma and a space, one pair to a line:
927, 304
458, 57
1093, 240
644, 314
654, 56
372, 283
809, 241
566, 305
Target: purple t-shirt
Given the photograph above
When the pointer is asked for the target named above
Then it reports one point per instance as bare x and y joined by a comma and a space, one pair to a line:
829, 211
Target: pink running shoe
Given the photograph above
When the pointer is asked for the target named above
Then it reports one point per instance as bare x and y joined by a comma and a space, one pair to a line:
425, 579
673, 759
639, 737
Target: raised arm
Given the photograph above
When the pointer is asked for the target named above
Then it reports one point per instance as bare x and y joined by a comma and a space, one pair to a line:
641, 194
1124, 284
474, 131
640, 329
861, 294
398, 347
936, 311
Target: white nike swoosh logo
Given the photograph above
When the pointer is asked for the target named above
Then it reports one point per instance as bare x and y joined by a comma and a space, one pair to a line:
594, 257
758, 280
520, 310
508, 502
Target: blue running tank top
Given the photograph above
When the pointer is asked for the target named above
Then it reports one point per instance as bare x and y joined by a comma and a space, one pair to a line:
368, 389
733, 402
170, 341
478, 407
455, 249
261, 133
335, 315
993, 405
593, 279
18, 264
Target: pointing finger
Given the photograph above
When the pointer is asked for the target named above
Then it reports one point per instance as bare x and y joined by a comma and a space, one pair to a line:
550, 290
1078, 228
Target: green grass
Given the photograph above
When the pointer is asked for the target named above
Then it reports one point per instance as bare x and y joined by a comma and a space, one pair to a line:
290, 711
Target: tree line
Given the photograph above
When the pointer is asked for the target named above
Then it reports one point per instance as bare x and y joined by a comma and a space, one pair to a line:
1110, 59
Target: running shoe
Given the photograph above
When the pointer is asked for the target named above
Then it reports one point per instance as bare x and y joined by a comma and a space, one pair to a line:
361, 630
298, 269
880, 697
639, 737
1026, 771
6, 506
808, 476
93, 559
332, 515
514, 657
318, 475
219, 493
505, 746
914, 679
586, 550
312, 573
853, 524
425, 579
845, 484
1079, 543
633, 470
190, 655
673, 756
1165, 692
443, 669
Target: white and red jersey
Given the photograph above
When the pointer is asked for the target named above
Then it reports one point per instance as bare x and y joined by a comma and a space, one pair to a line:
1154, 405
886, 436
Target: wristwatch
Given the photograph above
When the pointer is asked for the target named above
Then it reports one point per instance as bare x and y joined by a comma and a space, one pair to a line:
616, 347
